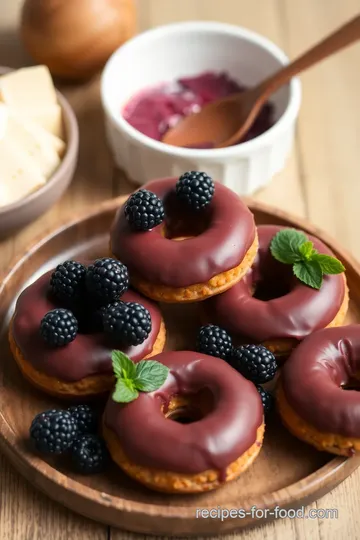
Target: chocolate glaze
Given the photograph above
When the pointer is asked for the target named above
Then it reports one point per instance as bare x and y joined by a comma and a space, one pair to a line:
314, 374
223, 232
88, 354
297, 313
215, 441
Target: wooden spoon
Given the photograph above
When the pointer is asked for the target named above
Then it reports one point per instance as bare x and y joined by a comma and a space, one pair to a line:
226, 121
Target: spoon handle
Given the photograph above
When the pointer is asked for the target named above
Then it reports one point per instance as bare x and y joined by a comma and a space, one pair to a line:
344, 36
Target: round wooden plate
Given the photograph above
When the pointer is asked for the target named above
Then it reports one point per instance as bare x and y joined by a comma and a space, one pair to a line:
287, 472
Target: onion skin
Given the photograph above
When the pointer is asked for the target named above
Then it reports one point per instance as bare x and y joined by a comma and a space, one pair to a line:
74, 38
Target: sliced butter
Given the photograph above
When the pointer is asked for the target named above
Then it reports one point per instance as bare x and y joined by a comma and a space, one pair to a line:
28, 87
40, 149
42, 135
4, 115
30, 93
19, 174
49, 117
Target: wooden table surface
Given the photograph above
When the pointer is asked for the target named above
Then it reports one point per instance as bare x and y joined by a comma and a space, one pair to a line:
320, 182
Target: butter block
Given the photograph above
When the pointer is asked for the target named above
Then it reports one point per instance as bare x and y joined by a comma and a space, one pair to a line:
4, 115
37, 147
19, 174
43, 136
30, 93
49, 117
28, 87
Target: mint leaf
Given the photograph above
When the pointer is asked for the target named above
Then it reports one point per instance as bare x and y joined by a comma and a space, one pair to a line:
328, 264
122, 365
307, 250
150, 375
285, 246
309, 272
124, 391
290, 246
146, 376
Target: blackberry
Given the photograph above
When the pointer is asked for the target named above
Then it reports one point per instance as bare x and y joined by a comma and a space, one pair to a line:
53, 431
89, 454
85, 417
196, 189
255, 362
59, 327
214, 341
144, 210
266, 398
107, 279
67, 282
97, 316
129, 322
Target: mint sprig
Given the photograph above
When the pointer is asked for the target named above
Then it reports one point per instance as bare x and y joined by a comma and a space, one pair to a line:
131, 378
290, 246
285, 246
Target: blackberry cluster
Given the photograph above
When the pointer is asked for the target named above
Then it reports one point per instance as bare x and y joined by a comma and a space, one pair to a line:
68, 281
196, 189
266, 398
107, 279
89, 454
214, 341
53, 432
144, 210
255, 362
58, 327
129, 322
89, 292
71, 432
85, 417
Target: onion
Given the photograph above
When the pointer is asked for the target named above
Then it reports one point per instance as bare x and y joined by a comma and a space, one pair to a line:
74, 38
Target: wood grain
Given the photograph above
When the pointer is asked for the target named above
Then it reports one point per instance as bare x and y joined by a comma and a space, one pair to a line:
320, 181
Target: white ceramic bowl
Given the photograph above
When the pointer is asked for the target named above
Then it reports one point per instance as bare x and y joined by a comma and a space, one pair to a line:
169, 52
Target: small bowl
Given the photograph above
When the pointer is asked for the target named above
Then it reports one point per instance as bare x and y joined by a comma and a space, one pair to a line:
22, 212
178, 50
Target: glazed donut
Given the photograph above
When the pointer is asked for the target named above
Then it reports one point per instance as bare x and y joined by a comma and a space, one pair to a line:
219, 247
270, 306
223, 438
311, 398
83, 368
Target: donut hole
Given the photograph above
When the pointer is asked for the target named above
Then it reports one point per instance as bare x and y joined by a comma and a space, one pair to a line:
190, 408
89, 319
266, 289
269, 279
353, 384
182, 223
86, 312
185, 415
183, 230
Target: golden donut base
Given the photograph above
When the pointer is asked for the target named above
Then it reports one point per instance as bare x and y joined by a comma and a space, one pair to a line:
327, 442
173, 482
89, 387
200, 291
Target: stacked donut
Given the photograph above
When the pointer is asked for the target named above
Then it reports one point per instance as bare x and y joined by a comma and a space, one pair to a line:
65, 327
180, 241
